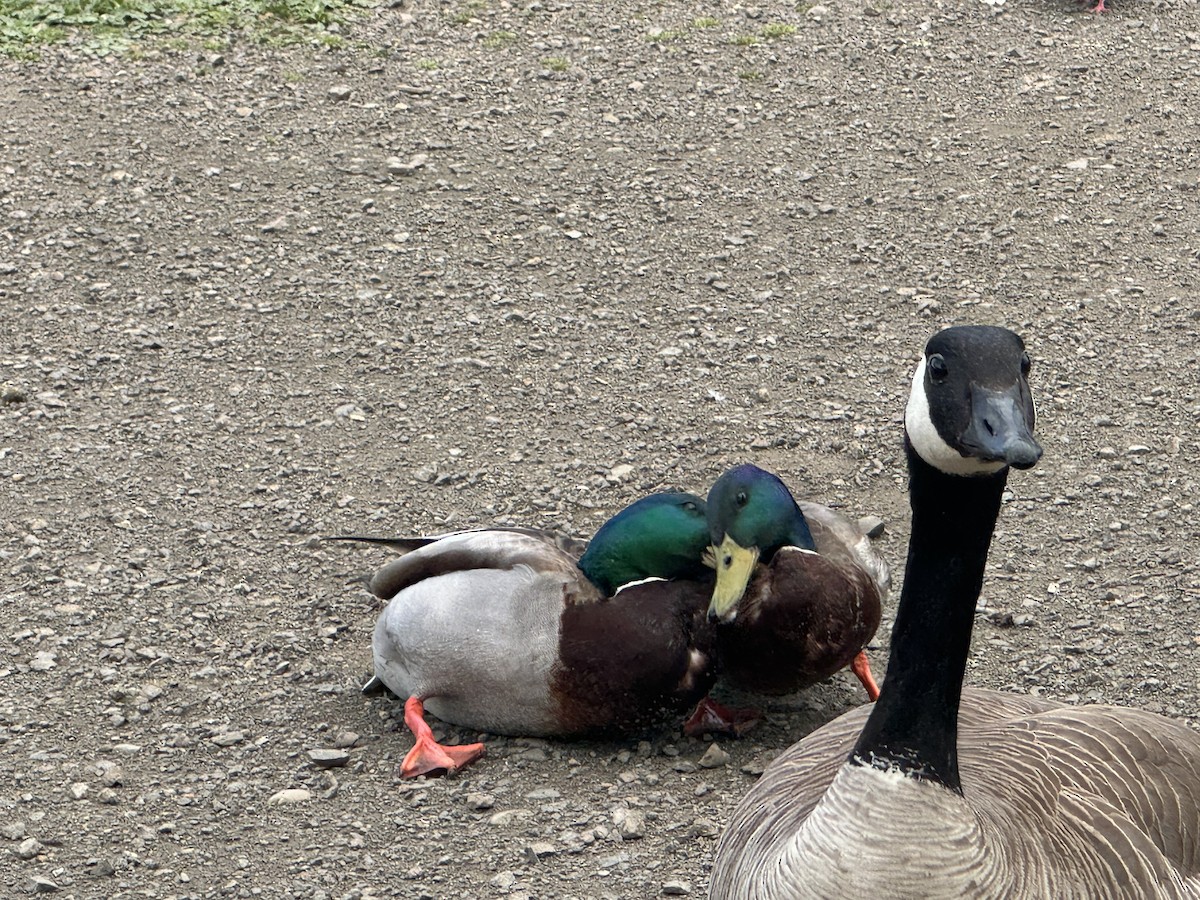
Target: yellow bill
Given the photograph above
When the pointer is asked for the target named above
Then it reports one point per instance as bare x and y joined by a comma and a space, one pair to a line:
734, 565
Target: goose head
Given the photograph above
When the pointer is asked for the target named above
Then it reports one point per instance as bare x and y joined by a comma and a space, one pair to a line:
970, 411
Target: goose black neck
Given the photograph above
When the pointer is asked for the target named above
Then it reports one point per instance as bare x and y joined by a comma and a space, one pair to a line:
913, 726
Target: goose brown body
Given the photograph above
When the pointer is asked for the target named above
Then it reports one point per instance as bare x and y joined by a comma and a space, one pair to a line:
1084, 802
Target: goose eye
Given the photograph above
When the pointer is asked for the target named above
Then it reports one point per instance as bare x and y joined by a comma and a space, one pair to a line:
689, 506
741, 498
1025, 364
938, 370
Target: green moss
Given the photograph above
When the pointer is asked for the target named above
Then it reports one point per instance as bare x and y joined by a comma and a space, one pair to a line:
776, 30
498, 39
102, 27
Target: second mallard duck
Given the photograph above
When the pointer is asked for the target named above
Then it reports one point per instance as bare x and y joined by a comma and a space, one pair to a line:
798, 587
512, 631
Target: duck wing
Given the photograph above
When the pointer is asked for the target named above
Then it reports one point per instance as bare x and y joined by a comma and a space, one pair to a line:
492, 548
844, 543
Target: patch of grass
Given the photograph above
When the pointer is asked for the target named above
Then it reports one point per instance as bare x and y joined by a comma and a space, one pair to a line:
663, 37
706, 22
556, 63
498, 39
468, 12
776, 30
744, 40
750, 75
118, 26
429, 65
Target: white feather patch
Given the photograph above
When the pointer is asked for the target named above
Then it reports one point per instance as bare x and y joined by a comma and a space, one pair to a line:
630, 584
930, 445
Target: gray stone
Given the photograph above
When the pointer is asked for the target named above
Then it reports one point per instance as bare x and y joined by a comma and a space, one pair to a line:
631, 823
539, 850
328, 759
291, 795
229, 738
508, 816
871, 526
479, 801
714, 757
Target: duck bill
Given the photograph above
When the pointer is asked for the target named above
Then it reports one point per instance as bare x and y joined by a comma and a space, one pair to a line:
1001, 428
735, 564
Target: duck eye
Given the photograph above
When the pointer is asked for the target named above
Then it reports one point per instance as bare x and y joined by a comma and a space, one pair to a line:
741, 498
1026, 364
690, 506
938, 370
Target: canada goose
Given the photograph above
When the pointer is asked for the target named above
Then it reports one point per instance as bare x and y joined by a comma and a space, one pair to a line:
510, 631
938, 792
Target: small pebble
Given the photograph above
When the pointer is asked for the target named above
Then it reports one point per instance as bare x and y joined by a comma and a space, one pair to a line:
339, 93
29, 848
328, 759
103, 868
480, 801
871, 526
539, 850
676, 888
714, 757
229, 738
503, 880
631, 824
508, 816
291, 795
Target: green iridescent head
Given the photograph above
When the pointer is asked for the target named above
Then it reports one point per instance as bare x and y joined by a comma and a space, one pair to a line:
660, 536
751, 514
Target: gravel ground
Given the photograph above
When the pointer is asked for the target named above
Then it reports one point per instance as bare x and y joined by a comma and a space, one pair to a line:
524, 263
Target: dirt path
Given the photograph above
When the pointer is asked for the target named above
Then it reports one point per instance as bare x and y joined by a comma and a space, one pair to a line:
470, 276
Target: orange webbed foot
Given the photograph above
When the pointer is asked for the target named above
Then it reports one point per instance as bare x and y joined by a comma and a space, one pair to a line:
711, 717
428, 757
862, 669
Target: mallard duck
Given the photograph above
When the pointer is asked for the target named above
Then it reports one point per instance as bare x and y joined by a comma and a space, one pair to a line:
798, 586
513, 631
937, 791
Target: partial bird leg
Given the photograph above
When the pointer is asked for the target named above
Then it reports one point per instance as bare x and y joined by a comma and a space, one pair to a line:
860, 667
1099, 7
711, 717
428, 757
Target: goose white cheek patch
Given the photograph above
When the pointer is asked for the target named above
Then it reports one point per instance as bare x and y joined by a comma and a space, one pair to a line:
930, 445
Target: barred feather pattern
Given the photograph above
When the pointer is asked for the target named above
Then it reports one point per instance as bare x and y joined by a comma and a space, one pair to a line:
1088, 802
